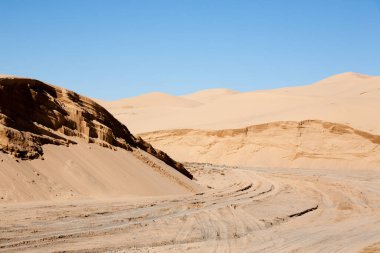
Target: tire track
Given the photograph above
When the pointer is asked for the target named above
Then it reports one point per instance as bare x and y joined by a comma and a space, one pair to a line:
246, 209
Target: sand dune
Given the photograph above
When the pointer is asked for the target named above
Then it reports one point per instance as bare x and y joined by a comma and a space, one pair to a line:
152, 99
349, 98
288, 144
206, 96
43, 134
347, 101
342, 85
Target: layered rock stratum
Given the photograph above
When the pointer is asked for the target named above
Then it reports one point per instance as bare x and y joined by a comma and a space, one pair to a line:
285, 144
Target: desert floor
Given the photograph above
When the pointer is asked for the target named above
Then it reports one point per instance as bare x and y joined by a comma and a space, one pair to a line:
242, 210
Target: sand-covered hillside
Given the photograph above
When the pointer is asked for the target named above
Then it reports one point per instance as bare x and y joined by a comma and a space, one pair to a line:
286, 144
56, 143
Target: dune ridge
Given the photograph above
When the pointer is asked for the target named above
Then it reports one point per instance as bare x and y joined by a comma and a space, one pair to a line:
204, 96
348, 98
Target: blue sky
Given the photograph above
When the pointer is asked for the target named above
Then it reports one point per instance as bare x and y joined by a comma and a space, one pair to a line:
113, 49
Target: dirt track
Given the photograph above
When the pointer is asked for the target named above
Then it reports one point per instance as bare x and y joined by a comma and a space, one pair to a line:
244, 210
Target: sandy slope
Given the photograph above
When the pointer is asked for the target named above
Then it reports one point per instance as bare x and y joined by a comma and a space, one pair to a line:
247, 210
88, 171
305, 144
348, 98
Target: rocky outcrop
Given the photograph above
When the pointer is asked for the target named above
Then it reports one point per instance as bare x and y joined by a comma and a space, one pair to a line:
33, 113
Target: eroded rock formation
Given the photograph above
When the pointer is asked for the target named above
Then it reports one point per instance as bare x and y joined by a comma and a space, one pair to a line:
33, 113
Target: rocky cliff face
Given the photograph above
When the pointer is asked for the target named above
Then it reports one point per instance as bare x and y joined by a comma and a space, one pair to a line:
33, 113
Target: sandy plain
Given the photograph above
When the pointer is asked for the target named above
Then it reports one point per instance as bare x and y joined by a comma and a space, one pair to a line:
244, 209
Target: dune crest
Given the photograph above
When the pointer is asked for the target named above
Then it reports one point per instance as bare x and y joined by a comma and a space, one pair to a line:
152, 99
204, 96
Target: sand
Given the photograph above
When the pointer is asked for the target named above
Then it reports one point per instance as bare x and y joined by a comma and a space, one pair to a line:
246, 210
287, 144
227, 127
88, 171
348, 98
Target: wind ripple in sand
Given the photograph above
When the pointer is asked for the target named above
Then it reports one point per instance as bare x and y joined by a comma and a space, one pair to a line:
245, 209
